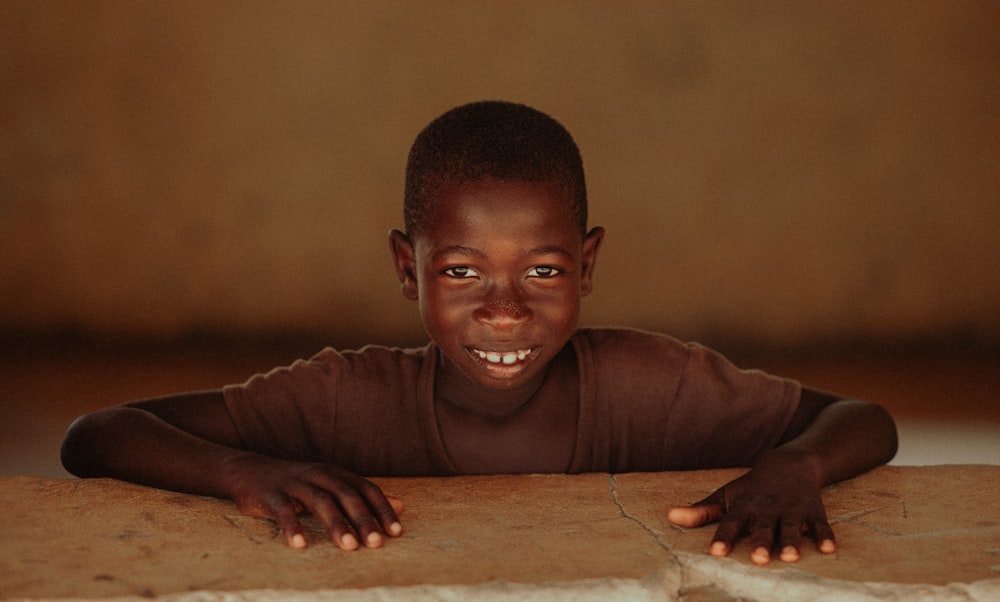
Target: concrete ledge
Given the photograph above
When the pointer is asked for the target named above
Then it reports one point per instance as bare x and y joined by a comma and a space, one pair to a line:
904, 533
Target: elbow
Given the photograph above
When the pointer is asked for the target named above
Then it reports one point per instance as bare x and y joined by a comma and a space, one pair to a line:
887, 427
78, 446
894, 439
873, 432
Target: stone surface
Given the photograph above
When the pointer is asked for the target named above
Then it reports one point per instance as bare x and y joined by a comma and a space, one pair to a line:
904, 532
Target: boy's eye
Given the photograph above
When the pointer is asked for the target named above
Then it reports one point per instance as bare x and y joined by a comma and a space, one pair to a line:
543, 271
461, 271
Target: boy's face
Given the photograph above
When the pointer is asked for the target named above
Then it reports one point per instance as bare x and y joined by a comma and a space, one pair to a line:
499, 273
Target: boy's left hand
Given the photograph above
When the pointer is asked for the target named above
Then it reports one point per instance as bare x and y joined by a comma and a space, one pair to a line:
774, 504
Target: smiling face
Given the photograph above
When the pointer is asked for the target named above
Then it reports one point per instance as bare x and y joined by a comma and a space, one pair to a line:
498, 271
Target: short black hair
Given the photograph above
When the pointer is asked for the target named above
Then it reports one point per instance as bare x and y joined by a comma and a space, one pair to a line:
491, 140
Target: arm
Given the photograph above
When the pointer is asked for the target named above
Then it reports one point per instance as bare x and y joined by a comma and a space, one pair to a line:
829, 440
189, 443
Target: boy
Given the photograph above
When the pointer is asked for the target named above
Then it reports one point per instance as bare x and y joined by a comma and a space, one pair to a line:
497, 254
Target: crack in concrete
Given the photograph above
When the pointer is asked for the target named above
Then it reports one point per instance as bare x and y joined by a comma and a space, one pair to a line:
239, 523
656, 534
852, 519
675, 577
849, 517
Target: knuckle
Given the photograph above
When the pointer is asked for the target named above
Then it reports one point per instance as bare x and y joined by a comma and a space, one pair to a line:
363, 520
792, 524
320, 497
337, 522
763, 523
369, 490
265, 506
385, 509
728, 531
350, 501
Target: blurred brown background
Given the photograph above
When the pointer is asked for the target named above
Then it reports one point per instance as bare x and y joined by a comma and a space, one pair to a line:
773, 176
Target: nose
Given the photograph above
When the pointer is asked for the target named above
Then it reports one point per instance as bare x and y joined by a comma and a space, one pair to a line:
503, 311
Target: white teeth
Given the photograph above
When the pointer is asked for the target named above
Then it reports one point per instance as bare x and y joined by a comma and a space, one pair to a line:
506, 358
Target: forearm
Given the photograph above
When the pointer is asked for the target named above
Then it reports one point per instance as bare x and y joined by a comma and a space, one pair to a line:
845, 439
135, 445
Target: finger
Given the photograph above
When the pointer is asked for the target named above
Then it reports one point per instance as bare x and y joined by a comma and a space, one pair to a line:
760, 556
694, 516
322, 505
280, 509
719, 548
762, 538
353, 502
789, 554
790, 540
708, 510
397, 504
359, 516
383, 507
287, 521
395, 528
823, 534
728, 531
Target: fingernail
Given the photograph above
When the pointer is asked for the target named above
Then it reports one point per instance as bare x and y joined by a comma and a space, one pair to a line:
760, 556
298, 541
373, 540
827, 546
349, 542
718, 548
789, 554
395, 529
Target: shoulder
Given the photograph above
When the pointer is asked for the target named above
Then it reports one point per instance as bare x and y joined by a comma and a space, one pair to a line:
632, 344
370, 357
631, 363
332, 372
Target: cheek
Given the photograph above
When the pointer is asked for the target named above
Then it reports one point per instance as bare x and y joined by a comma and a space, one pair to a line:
561, 312
439, 311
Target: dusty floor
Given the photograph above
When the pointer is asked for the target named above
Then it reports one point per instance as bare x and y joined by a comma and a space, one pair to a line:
947, 403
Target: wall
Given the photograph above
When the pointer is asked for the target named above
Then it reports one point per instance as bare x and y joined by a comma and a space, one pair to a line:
770, 171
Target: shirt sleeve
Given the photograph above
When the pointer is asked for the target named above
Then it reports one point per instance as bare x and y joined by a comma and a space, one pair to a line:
724, 416
284, 412
366, 411
650, 402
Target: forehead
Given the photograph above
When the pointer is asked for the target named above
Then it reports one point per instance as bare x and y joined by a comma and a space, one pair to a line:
504, 210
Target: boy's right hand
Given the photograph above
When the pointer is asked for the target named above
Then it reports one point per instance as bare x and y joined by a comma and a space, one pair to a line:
353, 509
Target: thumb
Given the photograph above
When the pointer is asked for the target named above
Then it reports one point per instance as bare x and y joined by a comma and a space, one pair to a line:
708, 510
396, 503
695, 515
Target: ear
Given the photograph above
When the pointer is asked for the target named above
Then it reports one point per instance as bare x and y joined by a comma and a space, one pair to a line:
591, 245
404, 259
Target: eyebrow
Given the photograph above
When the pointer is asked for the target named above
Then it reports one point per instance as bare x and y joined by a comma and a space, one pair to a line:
550, 250
457, 250
471, 251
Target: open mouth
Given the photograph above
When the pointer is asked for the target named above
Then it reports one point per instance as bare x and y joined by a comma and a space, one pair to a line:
506, 358
503, 364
